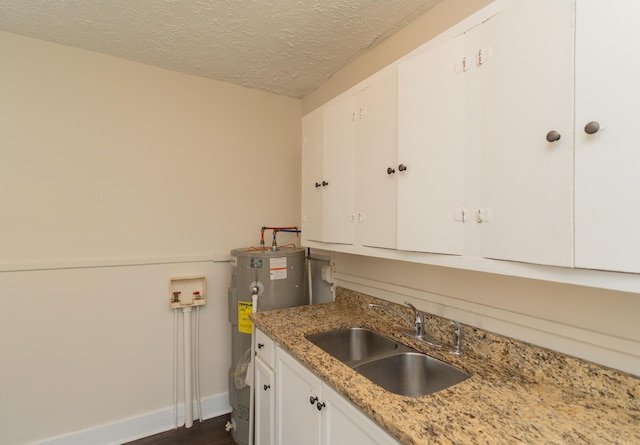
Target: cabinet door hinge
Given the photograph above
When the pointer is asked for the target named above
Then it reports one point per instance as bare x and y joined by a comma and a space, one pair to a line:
483, 55
483, 215
461, 66
460, 215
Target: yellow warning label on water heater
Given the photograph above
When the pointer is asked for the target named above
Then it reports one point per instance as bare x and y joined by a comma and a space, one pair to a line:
244, 310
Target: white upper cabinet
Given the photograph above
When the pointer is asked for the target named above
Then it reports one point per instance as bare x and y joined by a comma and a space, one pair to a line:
511, 136
607, 160
376, 143
328, 169
312, 177
339, 166
526, 64
431, 146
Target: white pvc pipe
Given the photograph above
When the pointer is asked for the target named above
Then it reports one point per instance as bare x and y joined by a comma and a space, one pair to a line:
254, 309
175, 369
188, 391
197, 370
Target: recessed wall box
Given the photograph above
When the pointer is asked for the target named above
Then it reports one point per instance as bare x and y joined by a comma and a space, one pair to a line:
187, 291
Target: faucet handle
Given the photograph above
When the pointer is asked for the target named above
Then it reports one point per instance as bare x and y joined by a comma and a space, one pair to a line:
457, 336
417, 322
416, 312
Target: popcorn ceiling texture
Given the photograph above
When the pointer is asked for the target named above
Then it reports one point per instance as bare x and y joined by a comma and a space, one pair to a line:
287, 47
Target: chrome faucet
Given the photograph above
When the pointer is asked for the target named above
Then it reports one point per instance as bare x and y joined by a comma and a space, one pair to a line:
457, 336
417, 325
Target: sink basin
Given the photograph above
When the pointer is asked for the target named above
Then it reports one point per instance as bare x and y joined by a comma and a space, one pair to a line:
397, 368
411, 373
352, 345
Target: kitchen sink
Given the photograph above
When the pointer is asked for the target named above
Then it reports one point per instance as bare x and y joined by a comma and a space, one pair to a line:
411, 374
387, 363
352, 345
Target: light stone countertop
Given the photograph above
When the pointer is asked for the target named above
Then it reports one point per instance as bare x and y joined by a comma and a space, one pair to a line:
517, 393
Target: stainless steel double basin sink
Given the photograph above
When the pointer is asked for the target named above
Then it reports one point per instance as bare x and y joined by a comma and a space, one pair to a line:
393, 366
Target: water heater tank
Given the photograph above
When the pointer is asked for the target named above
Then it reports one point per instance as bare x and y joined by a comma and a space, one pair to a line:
279, 277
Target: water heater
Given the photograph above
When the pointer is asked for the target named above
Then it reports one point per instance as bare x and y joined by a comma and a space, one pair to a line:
279, 278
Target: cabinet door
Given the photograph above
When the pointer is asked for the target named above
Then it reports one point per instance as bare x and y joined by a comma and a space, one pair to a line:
312, 177
345, 424
431, 143
607, 179
376, 139
339, 172
527, 182
264, 404
265, 348
297, 420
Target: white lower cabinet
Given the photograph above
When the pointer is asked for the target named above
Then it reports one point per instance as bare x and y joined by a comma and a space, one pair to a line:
265, 389
298, 421
310, 412
346, 424
265, 404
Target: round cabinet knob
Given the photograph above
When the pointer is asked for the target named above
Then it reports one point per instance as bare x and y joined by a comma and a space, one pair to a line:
266, 387
390, 171
592, 127
553, 136
260, 346
402, 167
318, 184
320, 406
313, 400
325, 183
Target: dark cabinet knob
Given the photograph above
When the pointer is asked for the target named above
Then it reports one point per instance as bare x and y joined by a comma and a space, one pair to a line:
320, 406
325, 183
402, 167
553, 136
313, 400
318, 184
266, 387
260, 346
390, 171
592, 127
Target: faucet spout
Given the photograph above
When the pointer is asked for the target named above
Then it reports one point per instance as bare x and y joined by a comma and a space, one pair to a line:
396, 311
417, 325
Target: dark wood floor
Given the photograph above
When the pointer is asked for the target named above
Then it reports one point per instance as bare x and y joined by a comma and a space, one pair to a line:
209, 432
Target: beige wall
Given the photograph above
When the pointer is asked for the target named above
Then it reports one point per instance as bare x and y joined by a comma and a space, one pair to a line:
107, 158
106, 162
593, 324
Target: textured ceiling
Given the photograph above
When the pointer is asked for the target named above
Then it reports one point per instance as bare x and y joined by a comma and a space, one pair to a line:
287, 47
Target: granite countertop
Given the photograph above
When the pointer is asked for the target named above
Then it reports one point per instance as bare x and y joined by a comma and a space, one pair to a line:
517, 393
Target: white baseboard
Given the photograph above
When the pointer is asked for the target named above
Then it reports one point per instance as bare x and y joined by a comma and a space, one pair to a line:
144, 425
